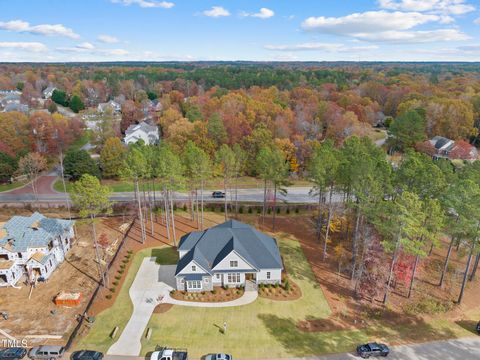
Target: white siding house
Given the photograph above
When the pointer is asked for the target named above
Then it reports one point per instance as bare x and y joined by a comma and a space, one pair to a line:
33, 246
143, 131
229, 254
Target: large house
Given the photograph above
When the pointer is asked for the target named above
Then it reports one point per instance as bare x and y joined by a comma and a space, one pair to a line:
143, 131
229, 254
33, 245
440, 147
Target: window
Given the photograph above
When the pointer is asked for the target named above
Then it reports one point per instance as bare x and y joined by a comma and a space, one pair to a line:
194, 285
234, 264
233, 278
268, 275
218, 276
194, 268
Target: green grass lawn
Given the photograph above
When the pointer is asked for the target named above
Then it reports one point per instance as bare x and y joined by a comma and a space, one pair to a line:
263, 329
98, 337
14, 185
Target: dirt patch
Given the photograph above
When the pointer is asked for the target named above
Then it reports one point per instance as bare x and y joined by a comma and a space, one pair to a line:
32, 311
162, 308
217, 295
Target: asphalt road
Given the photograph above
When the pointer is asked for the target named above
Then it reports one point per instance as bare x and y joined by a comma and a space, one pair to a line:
299, 195
462, 349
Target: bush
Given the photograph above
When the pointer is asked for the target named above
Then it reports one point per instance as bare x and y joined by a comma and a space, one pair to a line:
108, 296
174, 206
112, 289
122, 266
276, 285
238, 292
118, 277
184, 207
297, 210
225, 287
240, 210
115, 283
213, 292
250, 210
288, 211
125, 261
286, 285
121, 271
269, 211
269, 286
130, 252
278, 210
260, 286
172, 292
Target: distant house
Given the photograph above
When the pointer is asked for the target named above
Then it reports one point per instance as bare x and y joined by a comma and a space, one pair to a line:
440, 147
10, 98
143, 131
229, 254
47, 93
113, 105
16, 107
34, 246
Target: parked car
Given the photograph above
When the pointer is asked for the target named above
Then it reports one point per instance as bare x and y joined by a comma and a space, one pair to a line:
13, 353
169, 354
46, 352
218, 194
478, 328
218, 357
372, 349
86, 355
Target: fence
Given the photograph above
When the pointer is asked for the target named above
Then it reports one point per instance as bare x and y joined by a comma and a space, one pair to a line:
77, 328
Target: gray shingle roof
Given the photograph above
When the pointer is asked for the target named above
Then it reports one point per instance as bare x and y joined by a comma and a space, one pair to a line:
35, 231
208, 248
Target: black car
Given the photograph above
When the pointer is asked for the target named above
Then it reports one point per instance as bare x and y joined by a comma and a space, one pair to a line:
372, 349
218, 194
14, 353
478, 328
86, 355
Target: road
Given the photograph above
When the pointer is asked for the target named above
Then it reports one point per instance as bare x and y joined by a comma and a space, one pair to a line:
462, 349
295, 195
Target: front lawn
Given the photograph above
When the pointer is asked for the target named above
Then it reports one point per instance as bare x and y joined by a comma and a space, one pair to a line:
263, 329
98, 338
14, 185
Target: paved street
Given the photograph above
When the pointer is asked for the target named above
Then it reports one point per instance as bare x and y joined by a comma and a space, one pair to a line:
299, 195
463, 349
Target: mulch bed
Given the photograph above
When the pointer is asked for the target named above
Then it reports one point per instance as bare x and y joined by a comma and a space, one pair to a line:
162, 308
220, 295
280, 294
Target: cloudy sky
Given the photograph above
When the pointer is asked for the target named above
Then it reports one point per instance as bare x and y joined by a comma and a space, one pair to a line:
320, 30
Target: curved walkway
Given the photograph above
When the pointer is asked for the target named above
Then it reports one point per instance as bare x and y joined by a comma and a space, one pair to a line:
151, 287
247, 298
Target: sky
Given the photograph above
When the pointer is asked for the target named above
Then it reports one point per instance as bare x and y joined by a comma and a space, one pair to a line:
256, 30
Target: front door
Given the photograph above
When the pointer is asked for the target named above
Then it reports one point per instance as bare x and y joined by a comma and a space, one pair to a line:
250, 276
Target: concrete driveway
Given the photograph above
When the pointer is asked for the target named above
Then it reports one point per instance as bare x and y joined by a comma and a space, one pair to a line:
151, 284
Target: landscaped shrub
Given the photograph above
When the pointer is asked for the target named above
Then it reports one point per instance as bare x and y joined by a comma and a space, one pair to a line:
112, 289
276, 285
184, 207
122, 266
225, 287
260, 286
115, 283
278, 210
269, 211
172, 292
118, 277
250, 210
125, 261
213, 292
121, 271
286, 285
297, 210
238, 292
130, 252
240, 210
108, 296
288, 211
174, 206
269, 286
259, 211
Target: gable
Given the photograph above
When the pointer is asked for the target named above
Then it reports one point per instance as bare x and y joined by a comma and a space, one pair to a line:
187, 269
224, 264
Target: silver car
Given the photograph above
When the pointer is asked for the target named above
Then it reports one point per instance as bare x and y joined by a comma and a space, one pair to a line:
218, 357
46, 352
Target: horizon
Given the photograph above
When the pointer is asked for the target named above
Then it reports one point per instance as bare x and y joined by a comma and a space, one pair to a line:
225, 30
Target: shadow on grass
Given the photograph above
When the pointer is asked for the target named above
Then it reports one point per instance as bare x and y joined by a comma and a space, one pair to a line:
295, 262
165, 256
469, 325
298, 340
